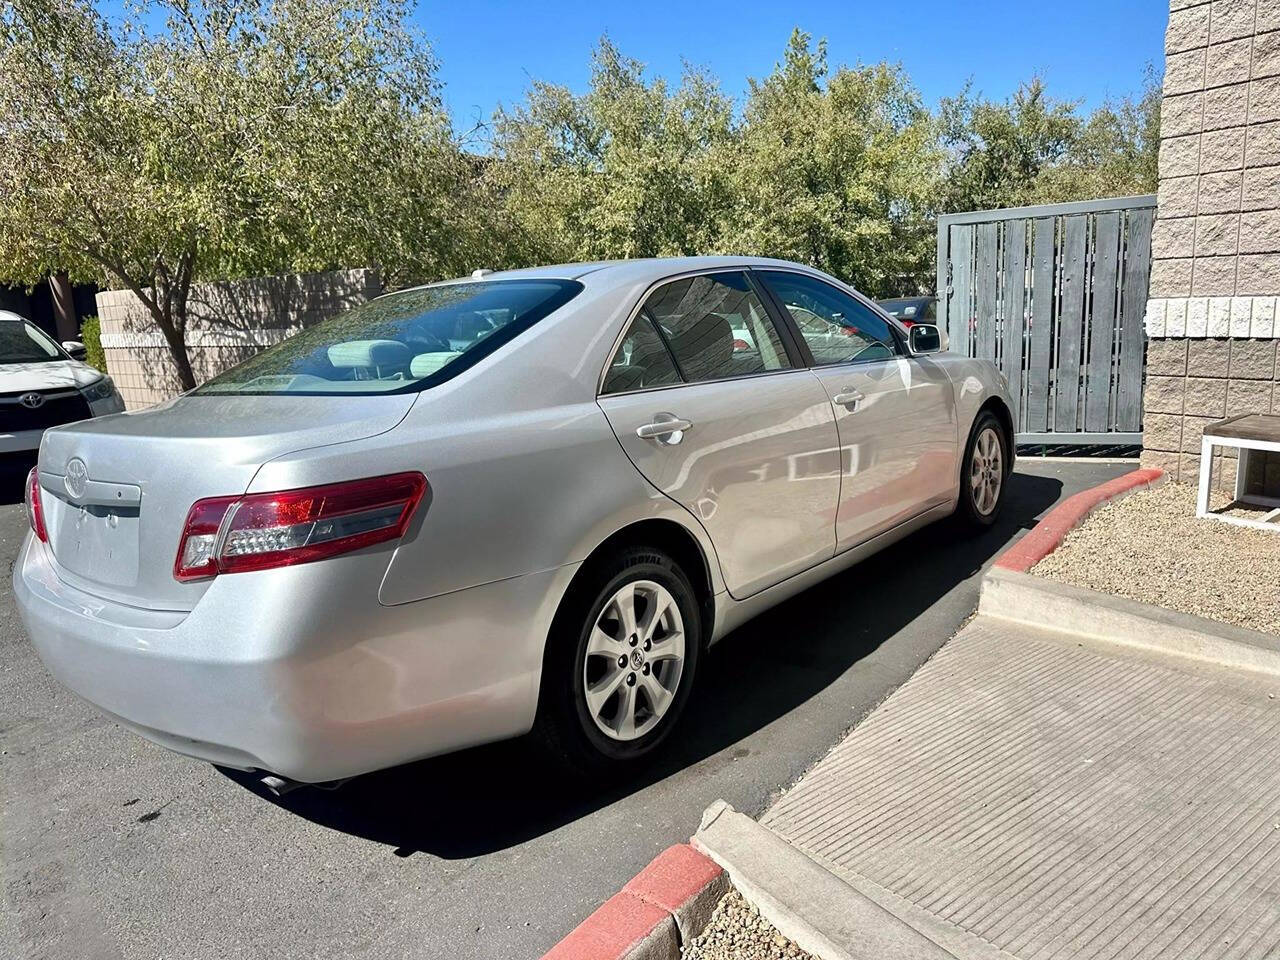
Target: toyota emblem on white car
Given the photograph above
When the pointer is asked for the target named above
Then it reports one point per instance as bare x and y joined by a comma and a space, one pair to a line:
31, 400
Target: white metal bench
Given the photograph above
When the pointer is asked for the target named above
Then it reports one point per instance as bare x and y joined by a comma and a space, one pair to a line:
1247, 433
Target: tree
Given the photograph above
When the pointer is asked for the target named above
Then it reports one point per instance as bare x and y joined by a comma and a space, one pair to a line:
241, 137
1033, 148
621, 171
837, 170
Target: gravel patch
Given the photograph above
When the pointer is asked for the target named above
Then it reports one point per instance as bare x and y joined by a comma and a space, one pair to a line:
1150, 547
738, 932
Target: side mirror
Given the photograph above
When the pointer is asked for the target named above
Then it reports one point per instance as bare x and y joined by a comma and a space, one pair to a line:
925, 338
75, 348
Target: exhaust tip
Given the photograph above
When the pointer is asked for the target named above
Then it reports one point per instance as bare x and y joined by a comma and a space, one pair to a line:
278, 786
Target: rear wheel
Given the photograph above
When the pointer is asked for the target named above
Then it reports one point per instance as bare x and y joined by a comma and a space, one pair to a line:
620, 662
984, 471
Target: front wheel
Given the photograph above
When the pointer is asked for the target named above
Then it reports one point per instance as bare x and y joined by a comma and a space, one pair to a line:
620, 662
984, 472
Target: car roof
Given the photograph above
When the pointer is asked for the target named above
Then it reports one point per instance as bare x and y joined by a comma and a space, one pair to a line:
628, 271
12, 317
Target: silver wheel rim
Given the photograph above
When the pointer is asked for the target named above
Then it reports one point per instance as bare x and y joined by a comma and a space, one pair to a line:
635, 656
986, 472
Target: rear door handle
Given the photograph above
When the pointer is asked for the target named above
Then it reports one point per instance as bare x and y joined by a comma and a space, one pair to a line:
848, 398
664, 425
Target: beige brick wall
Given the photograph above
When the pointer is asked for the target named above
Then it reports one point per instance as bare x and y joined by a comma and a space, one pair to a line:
229, 322
1215, 277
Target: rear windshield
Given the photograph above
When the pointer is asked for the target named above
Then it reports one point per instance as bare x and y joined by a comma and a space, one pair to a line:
399, 343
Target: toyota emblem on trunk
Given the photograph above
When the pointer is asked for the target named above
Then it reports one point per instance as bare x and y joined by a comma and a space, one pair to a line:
77, 477
31, 400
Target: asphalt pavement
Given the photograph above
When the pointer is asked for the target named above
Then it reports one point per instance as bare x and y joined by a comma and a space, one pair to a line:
113, 847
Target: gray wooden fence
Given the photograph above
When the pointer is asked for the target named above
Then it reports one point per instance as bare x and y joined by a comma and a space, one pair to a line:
1055, 295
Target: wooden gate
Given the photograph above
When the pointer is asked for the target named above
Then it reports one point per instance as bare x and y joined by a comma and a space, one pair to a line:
1056, 296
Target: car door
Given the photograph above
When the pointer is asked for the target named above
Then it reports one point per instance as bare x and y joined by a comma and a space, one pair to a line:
711, 407
895, 413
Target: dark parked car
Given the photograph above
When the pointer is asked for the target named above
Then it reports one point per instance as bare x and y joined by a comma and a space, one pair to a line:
909, 310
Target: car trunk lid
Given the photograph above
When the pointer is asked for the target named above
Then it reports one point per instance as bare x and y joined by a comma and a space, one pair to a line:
116, 491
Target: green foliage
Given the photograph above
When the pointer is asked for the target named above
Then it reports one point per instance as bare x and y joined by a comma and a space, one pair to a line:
240, 138
91, 337
1035, 149
214, 139
835, 169
625, 170
844, 169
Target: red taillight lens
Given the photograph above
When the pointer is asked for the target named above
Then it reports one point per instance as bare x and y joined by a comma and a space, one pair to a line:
35, 510
263, 530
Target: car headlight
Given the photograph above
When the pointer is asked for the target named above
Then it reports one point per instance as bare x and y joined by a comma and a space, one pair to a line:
99, 390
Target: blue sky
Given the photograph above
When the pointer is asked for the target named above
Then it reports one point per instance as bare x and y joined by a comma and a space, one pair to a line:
490, 50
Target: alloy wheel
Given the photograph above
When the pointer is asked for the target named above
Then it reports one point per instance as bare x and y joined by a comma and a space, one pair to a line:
986, 472
635, 657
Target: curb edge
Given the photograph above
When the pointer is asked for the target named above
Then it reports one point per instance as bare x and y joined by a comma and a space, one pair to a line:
664, 905
1047, 535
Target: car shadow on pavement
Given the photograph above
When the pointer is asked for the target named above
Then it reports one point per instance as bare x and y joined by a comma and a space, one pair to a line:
490, 798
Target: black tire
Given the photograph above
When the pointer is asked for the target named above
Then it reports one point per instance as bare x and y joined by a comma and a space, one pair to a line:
968, 510
564, 723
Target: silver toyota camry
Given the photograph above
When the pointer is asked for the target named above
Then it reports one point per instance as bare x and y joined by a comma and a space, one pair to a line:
520, 501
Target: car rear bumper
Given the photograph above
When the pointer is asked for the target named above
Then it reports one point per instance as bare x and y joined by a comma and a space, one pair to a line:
288, 671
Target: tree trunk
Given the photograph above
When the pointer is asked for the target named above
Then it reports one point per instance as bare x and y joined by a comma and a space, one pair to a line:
175, 337
64, 307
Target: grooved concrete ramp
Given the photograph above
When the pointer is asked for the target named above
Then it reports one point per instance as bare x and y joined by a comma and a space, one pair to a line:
1053, 799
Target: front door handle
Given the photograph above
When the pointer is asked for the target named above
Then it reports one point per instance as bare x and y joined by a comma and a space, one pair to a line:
848, 398
665, 428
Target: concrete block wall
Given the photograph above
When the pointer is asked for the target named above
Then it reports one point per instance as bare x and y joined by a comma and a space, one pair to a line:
1215, 275
229, 322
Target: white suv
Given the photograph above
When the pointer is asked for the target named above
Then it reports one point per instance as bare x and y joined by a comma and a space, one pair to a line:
43, 384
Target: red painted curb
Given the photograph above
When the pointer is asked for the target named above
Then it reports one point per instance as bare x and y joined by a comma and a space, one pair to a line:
653, 897
1048, 534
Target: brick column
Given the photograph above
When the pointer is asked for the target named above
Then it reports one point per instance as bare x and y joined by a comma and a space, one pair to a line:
1215, 277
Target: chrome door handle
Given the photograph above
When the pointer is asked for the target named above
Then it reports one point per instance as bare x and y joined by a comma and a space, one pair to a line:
666, 425
848, 398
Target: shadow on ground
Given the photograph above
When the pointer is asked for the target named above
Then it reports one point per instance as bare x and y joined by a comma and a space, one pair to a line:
487, 799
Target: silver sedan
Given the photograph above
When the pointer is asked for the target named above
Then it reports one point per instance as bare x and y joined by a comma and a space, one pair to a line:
521, 500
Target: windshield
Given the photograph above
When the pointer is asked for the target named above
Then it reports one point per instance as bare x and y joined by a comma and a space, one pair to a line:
23, 343
401, 342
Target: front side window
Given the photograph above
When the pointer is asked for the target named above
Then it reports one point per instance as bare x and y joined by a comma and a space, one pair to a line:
21, 342
716, 327
399, 343
837, 327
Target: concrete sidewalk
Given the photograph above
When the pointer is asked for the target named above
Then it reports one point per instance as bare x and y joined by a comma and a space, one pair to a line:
1028, 794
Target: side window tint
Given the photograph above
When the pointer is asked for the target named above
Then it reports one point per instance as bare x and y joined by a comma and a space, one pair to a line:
930, 312
837, 327
717, 327
642, 361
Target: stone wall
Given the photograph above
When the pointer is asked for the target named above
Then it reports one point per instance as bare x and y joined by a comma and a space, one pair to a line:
1215, 276
229, 322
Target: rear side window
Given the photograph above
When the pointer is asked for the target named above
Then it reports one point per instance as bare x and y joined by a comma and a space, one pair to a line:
400, 343
642, 360
837, 327
716, 327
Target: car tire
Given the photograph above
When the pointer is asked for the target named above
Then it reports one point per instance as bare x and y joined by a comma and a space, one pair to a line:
648, 670
984, 473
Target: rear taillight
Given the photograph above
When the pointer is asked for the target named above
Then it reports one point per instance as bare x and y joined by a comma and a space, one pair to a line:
263, 530
35, 510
